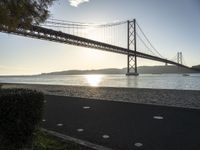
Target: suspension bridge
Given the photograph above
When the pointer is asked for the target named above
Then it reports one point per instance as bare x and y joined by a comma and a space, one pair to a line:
123, 37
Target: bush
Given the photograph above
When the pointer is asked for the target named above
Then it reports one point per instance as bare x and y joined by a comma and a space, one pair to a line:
20, 115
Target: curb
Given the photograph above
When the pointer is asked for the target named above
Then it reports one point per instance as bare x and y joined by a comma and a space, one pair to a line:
75, 140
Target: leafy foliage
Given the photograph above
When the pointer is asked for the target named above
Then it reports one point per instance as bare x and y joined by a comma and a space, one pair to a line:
20, 115
23, 13
45, 141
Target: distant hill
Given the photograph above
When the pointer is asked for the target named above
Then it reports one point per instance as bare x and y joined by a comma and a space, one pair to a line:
196, 67
77, 72
141, 70
163, 69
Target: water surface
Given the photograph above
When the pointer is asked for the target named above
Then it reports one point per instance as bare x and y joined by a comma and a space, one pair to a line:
156, 81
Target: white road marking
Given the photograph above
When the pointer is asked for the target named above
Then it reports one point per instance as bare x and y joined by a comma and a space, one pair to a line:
105, 136
158, 117
86, 107
80, 130
138, 144
59, 124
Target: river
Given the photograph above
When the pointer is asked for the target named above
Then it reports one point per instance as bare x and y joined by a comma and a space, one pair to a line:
155, 81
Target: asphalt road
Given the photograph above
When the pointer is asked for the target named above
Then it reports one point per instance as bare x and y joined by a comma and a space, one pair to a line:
124, 126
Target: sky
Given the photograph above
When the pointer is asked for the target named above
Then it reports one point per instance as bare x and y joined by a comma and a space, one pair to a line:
171, 25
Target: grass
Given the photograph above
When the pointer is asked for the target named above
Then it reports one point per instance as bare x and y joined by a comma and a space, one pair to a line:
44, 141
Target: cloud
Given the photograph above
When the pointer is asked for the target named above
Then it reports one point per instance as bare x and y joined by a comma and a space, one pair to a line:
76, 3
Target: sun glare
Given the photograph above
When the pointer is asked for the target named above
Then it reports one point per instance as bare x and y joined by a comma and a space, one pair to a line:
94, 80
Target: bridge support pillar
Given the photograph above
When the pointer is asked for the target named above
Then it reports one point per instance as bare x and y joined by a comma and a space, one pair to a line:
131, 44
180, 58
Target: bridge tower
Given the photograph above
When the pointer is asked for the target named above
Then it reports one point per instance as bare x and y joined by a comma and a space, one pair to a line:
131, 45
180, 58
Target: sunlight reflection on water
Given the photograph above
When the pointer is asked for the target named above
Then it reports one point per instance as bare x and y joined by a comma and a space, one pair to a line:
93, 80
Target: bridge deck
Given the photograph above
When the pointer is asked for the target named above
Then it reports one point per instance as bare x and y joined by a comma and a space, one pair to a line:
57, 36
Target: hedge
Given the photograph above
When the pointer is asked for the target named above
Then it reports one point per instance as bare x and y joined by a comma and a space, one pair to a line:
20, 114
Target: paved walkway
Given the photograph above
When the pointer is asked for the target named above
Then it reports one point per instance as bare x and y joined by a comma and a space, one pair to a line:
124, 126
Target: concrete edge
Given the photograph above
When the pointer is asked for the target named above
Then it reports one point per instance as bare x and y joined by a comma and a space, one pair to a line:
75, 140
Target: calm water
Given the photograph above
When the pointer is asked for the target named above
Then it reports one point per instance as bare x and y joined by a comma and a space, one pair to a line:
161, 81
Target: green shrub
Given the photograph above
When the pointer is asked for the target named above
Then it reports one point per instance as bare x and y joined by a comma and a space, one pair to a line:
20, 115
